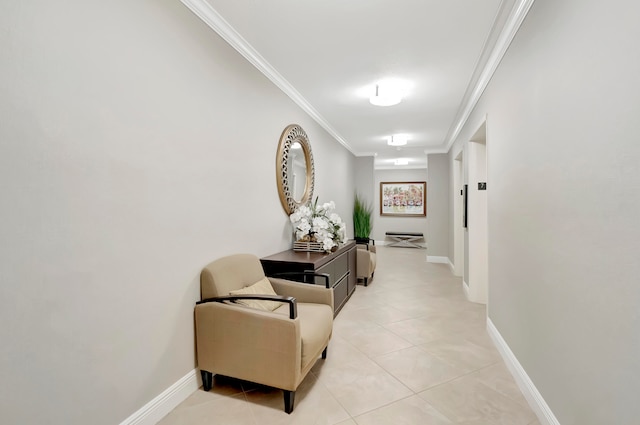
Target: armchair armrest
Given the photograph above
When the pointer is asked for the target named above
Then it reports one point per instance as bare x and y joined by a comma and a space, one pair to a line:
303, 276
293, 307
367, 247
303, 292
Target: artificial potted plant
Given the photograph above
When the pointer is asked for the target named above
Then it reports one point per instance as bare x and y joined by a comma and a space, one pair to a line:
362, 220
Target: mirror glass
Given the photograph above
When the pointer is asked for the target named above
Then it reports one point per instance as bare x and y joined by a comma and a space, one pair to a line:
297, 171
294, 169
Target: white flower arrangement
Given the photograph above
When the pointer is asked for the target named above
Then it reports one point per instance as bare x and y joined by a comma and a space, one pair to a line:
319, 224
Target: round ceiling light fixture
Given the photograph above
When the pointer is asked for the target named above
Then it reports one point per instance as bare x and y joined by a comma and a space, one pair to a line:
397, 140
385, 95
401, 161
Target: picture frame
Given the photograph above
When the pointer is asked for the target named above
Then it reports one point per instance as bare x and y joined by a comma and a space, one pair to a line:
403, 199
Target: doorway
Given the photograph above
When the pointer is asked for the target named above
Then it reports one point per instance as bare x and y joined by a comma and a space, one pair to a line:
477, 275
458, 227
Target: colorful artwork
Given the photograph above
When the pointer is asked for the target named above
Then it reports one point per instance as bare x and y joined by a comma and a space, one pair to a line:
408, 199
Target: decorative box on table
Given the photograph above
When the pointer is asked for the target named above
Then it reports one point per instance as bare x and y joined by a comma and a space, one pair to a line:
308, 246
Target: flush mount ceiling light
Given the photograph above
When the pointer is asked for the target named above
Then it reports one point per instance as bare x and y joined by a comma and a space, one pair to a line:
401, 161
385, 95
397, 140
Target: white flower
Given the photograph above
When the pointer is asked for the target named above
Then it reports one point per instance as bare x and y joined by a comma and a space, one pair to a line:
319, 223
327, 244
329, 206
295, 217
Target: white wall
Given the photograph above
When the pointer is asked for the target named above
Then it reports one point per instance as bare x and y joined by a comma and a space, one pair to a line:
562, 113
135, 147
384, 224
364, 178
438, 207
364, 183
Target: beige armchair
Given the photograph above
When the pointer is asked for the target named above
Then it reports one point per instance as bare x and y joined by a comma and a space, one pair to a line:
366, 262
246, 330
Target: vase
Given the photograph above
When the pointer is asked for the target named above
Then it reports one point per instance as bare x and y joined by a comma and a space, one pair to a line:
308, 246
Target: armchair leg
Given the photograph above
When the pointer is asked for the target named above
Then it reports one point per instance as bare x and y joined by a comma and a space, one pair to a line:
324, 352
289, 399
365, 281
207, 380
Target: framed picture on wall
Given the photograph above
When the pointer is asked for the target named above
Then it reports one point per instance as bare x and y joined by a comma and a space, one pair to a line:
403, 199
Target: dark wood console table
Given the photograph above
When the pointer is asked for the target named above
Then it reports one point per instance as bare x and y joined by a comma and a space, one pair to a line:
339, 265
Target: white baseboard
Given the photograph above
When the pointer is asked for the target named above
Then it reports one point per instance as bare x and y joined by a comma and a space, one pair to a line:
436, 259
452, 267
465, 288
529, 390
152, 412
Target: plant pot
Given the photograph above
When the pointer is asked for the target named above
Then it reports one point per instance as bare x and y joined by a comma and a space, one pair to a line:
364, 241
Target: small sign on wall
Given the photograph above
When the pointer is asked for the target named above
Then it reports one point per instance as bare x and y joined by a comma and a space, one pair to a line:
482, 185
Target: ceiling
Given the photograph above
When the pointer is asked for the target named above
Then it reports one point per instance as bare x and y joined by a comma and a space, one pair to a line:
328, 56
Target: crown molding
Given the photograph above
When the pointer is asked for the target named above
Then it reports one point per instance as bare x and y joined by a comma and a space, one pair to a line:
215, 21
436, 150
400, 167
366, 154
474, 91
203, 10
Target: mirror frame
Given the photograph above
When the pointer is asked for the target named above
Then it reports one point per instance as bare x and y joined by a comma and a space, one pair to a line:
293, 133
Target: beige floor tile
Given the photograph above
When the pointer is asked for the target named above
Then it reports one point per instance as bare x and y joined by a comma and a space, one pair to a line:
462, 353
377, 314
222, 387
267, 405
477, 336
467, 399
408, 411
375, 341
349, 325
418, 369
348, 422
370, 392
338, 375
225, 410
499, 378
339, 353
416, 331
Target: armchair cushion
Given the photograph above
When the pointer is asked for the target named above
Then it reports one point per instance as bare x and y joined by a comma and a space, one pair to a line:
365, 262
314, 338
261, 287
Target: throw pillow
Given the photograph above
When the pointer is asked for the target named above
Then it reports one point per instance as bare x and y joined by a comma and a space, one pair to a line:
261, 287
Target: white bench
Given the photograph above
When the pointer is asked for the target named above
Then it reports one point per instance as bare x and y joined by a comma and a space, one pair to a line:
407, 239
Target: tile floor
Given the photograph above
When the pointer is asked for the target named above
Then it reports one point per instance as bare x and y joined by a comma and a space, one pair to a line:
408, 349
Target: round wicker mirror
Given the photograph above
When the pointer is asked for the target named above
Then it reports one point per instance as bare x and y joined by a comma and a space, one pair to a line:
294, 168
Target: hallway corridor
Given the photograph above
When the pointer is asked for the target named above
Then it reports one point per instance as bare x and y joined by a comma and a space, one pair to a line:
408, 349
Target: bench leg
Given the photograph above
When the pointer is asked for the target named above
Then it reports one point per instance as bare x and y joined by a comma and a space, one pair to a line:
406, 242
